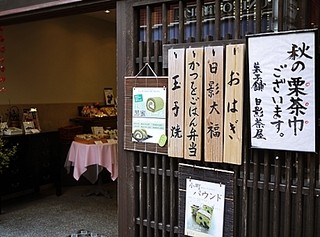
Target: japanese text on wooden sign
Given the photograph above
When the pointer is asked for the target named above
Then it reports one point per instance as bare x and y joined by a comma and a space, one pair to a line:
213, 104
193, 103
176, 102
197, 83
234, 80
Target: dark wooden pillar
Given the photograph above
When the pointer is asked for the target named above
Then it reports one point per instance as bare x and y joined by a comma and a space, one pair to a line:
126, 38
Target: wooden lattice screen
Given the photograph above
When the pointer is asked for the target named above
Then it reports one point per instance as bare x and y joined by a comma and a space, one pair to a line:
276, 193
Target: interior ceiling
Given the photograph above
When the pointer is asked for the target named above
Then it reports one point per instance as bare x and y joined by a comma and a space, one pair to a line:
31, 13
111, 17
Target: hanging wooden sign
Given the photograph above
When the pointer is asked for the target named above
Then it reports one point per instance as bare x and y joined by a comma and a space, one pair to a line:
136, 135
213, 104
176, 83
234, 80
193, 104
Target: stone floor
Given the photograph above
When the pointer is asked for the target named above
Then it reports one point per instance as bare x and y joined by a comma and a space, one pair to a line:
45, 214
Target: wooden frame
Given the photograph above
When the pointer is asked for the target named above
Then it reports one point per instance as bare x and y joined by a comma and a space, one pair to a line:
213, 176
130, 83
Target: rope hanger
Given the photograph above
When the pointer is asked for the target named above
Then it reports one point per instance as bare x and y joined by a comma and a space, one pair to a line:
146, 65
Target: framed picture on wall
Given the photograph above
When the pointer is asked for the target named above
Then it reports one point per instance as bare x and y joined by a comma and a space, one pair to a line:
109, 97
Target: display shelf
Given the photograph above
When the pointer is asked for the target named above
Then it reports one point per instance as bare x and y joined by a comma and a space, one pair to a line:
88, 122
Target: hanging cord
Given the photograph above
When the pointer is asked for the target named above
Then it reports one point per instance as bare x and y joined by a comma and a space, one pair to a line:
145, 77
146, 84
146, 65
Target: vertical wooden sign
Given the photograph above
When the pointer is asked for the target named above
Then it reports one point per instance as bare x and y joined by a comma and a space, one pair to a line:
213, 104
176, 71
234, 80
193, 104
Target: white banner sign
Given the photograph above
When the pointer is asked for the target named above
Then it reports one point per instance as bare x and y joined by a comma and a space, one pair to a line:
282, 91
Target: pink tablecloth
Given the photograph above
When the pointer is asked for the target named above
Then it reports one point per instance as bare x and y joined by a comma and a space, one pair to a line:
93, 156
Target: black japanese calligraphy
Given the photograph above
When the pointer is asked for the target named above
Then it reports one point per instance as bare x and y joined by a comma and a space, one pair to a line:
176, 108
176, 83
258, 113
176, 131
213, 130
295, 85
192, 109
258, 84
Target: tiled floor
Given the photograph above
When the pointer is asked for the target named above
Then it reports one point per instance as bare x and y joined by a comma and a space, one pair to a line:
45, 214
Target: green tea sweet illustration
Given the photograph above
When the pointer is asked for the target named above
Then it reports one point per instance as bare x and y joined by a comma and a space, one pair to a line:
202, 215
140, 135
208, 209
154, 104
194, 209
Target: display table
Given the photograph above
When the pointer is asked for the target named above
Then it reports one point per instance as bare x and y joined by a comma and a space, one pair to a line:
89, 160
